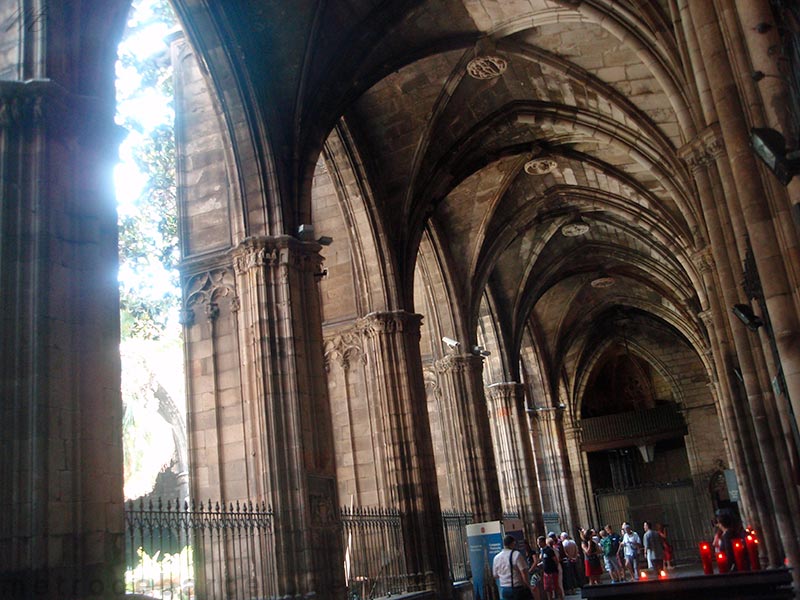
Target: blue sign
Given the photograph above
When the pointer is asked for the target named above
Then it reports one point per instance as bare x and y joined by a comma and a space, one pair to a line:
485, 542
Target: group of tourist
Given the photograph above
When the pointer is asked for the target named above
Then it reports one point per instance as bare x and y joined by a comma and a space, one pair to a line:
548, 572
620, 551
551, 570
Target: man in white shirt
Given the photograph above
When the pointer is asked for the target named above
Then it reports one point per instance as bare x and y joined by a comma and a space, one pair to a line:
511, 572
630, 547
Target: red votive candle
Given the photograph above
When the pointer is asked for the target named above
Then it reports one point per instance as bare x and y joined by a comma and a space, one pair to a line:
722, 562
751, 542
740, 556
706, 558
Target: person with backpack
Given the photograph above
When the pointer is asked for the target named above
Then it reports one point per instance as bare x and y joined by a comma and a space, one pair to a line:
609, 542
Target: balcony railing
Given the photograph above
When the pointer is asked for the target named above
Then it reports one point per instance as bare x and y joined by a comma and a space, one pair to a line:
632, 428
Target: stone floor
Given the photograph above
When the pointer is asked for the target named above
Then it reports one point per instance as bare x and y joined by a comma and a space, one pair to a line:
677, 572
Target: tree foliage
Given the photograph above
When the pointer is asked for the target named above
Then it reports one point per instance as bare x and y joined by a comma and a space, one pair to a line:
149, 287
148, 244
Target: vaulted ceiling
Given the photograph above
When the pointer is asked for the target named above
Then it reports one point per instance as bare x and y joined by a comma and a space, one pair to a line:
592, 89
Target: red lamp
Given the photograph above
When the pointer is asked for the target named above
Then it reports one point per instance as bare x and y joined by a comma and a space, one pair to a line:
706, 557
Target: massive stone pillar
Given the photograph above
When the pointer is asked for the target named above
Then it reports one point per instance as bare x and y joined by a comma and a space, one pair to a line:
736, 357
61, 513
513, 452
575, 487
558, 447
288, 441
473, 435
397, 386
258, 423
752, 225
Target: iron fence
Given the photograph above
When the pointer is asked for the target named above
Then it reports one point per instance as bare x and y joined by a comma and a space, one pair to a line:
218, 551
186, 551
675, 505
455, 524
375, 563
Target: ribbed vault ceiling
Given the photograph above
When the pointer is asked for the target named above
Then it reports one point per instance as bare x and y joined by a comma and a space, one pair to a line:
596, 86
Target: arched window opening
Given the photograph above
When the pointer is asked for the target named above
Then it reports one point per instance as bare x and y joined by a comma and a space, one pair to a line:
154, 430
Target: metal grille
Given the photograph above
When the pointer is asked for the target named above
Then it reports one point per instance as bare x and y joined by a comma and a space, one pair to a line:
203, 551
213, 551
455, 535
375, 562
676, 505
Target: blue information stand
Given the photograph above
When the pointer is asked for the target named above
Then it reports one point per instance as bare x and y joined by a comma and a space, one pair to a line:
485, 542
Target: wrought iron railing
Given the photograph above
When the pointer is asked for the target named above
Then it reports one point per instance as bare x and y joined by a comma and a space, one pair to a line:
455, 535
375, 563
207, 551
217, 551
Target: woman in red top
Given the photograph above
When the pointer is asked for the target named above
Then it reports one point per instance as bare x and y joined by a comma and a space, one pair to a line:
591, 550
662, 532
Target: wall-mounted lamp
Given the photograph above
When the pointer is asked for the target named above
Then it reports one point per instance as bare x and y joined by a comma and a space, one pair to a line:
770, 146
305, 233
745, 314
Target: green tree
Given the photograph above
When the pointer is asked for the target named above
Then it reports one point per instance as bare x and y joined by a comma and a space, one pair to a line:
149, 287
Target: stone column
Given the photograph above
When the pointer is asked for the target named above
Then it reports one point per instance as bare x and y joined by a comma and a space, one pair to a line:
473, 435
701, 156
561, 446
284, 388
513, 452
577, 491
61, 468
397, 386
751, 223
750, 202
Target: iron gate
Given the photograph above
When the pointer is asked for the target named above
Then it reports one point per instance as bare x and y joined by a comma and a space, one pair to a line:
675, 505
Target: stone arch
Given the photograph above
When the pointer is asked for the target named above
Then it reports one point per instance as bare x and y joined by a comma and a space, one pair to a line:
259, 196
374, 269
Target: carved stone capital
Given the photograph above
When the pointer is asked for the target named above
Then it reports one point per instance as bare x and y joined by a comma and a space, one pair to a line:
707, 318
505, 390
704, 149
87, 120
704, 260
259, 252
344, 348
459, 363
397, 321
